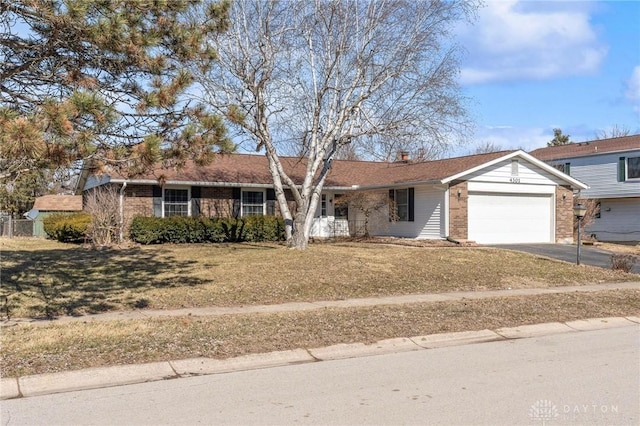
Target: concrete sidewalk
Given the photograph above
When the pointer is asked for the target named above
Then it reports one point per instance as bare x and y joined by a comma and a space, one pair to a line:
93, 378
316, 305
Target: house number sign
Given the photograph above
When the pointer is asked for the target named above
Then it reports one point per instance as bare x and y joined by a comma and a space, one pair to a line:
514, 180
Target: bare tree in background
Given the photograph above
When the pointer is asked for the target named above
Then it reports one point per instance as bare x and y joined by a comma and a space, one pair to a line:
307, 78
615, 132
486, 147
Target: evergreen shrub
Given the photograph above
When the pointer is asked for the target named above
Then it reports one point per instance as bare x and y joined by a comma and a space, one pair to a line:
180, 230
67, 227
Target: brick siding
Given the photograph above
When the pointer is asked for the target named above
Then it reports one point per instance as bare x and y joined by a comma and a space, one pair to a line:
458, 211
564, 214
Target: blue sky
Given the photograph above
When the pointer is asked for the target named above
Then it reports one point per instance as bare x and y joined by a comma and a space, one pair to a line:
531, 66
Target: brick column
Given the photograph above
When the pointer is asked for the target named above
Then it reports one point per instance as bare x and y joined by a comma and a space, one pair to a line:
564, 214
458, 211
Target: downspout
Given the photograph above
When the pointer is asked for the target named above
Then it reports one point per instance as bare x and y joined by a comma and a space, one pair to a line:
121, 236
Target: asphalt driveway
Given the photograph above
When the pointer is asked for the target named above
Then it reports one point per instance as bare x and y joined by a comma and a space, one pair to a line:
590, 255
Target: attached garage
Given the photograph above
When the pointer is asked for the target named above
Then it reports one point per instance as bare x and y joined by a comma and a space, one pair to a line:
514, 199
498, 218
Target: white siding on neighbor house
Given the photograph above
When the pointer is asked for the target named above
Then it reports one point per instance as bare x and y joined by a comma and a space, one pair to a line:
429, 220
619, 220
600, 172
528, 174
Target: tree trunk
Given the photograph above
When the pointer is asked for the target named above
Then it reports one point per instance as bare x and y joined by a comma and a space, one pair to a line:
300, 236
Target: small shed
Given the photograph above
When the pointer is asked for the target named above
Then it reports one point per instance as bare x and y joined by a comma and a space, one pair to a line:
50, 204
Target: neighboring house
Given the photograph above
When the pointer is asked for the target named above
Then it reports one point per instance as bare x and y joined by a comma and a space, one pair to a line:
611, 168
49, 204
502, 197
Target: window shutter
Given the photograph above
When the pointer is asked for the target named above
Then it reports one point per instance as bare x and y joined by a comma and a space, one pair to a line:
622, 172
196, 195
237, 193
157, 201
567, 168
271, 202
411, 205
391, 204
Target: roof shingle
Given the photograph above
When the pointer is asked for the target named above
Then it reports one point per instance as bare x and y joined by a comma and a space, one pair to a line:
582, 149
254, 169
60, 203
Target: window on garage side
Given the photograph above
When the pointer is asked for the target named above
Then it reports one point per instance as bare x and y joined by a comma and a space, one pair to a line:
252, 203
176, 202
563, 167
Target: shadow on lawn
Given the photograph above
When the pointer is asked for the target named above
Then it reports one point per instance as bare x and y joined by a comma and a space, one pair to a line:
80, 281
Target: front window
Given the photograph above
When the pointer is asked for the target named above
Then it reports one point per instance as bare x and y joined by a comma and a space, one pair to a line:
323, 205
401, 199
176, 202
633, 168
252, 203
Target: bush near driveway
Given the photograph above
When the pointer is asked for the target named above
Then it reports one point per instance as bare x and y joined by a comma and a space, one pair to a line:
623, 262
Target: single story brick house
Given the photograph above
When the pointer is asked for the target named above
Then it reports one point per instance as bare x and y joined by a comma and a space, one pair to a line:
501, 197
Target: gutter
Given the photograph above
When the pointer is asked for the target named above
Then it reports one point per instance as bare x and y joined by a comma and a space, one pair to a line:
394, 185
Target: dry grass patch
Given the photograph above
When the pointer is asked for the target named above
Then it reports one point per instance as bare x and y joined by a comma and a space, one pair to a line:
31, 350
41, 278
622, 247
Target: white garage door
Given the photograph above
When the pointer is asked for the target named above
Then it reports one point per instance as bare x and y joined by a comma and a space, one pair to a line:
510, 218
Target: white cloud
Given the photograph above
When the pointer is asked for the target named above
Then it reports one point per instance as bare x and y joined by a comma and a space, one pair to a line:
507, 137
514, 40
633, 85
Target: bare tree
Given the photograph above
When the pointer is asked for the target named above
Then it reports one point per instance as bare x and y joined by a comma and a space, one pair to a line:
486, 147
367, 204
102, 204
593, 209
615, 132
308, 78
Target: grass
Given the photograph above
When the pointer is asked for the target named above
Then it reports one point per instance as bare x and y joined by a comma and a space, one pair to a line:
42, 278
58, 347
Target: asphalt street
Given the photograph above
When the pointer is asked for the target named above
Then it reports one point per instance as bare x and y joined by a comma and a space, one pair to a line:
585, 377
590, 255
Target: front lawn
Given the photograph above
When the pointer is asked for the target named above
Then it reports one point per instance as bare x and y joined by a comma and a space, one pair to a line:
42, 278
26, 350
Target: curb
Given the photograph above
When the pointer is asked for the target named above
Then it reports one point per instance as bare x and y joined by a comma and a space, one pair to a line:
93, 378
